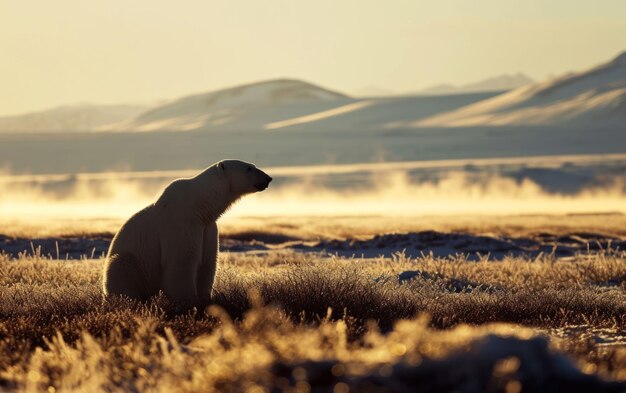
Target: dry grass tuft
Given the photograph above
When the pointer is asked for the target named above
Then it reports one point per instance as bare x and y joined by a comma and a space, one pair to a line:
287, 321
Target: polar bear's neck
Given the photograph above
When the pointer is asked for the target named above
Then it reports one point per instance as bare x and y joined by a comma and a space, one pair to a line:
213, 197
212, 205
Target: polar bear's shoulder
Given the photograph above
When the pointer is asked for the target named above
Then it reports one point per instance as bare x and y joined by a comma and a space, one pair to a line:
174, 192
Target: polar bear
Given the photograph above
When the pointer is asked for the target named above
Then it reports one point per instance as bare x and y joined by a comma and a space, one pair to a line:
172, 245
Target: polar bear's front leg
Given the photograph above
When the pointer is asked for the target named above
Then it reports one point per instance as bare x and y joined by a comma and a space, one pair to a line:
181, 254
206, 273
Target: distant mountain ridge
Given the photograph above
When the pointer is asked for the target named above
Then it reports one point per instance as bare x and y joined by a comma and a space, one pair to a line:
220, 108
81, 117
493, 84
496, 83
215, 108
596, 97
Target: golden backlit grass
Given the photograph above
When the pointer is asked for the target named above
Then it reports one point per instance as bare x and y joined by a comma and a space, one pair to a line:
291, 322
312, 227
366, 226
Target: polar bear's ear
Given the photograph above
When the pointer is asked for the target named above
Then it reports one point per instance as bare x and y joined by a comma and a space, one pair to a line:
220, 166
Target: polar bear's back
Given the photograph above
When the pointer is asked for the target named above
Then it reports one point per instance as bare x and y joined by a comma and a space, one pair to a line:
138, 235
136, 247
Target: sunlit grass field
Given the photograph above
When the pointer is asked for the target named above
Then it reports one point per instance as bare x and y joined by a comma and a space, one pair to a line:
289, 321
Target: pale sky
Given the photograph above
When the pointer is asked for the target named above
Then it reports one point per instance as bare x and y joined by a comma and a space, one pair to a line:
116, 51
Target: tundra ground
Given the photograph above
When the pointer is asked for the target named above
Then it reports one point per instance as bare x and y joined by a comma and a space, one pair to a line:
286, 319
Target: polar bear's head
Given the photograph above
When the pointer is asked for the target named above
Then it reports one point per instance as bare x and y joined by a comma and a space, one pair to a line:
243, 177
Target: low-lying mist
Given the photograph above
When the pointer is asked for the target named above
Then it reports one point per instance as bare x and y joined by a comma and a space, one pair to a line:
392, 192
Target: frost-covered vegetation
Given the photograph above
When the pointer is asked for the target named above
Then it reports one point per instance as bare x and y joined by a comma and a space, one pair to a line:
298, 322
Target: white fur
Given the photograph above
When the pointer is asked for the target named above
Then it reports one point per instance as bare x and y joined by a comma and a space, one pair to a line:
172, 245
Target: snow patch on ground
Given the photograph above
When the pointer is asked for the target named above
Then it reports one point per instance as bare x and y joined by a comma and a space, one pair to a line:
475, 247
414, 244
604, 338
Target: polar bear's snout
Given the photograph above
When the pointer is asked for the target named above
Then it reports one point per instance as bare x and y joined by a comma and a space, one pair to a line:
264, 183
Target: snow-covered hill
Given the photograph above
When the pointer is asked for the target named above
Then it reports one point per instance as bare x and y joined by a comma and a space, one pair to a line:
596, 97
74, 118
378, 114
242, 107
269, 105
